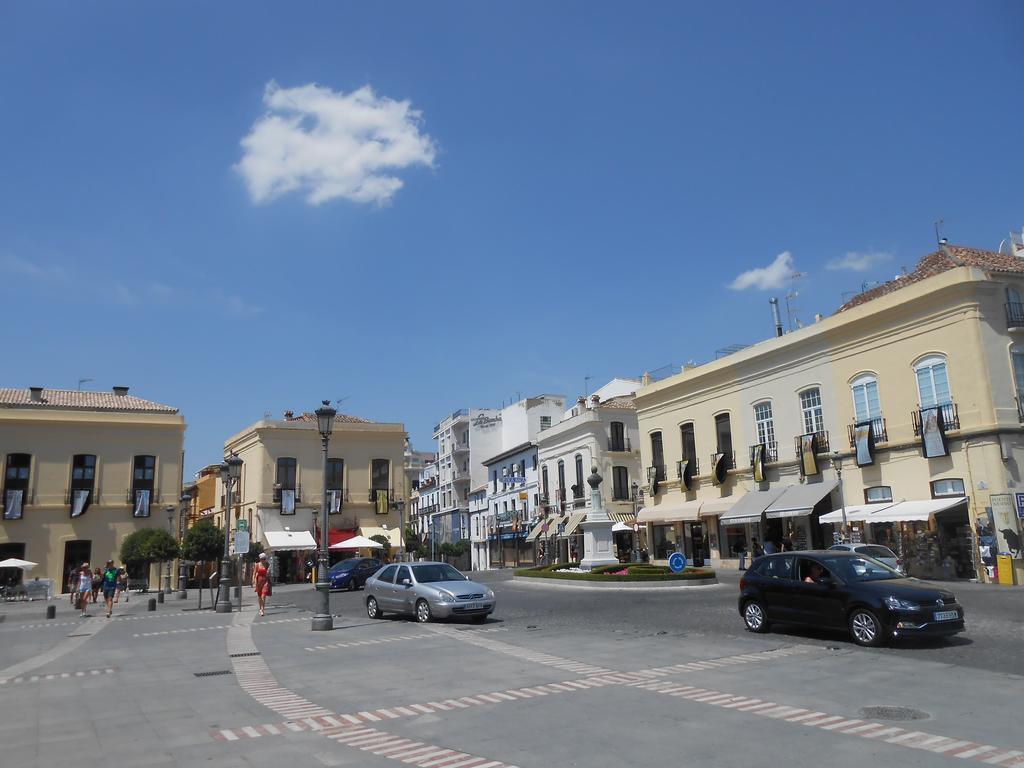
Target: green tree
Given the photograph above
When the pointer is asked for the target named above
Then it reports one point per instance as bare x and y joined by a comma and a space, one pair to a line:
204, 542
383, 540
148, 546
413, 543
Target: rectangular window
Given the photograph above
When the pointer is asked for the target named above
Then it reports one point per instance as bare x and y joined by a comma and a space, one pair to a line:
765, 423
16, 477
618, 437
810, 407
380, 476
620, 484
877, 494
658, 455
578, 488
335, 474
689, 442
286, 472
951, 487
723, 436
83, 479
143, 479
544, 481
866, 405
545, 422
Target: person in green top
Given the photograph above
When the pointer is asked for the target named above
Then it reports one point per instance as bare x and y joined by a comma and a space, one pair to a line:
110, 576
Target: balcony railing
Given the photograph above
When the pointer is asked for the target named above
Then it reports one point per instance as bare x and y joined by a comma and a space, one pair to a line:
820, 443
277, 493
460, 447
460, 474
877, 426
620, 446
950, 418
771, 453
1014, 314
154, 495
373, 494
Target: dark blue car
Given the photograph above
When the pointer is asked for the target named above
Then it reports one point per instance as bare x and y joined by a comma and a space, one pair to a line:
352, 574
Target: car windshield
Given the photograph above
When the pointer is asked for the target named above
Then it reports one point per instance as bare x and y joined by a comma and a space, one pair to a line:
860, 569
876, 551
344, 565
438, 572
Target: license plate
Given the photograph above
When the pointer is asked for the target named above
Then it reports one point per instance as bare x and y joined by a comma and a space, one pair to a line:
945, 615
474, 606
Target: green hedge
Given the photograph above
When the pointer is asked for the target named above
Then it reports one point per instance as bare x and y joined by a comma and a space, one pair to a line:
637, 572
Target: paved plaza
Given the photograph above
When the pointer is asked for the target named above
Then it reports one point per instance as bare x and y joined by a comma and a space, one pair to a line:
573, 678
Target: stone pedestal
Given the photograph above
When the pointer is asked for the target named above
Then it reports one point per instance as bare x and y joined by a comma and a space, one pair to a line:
598, 548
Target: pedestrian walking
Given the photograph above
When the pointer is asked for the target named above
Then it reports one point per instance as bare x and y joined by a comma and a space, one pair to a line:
73, 586
122, 585
110, 579
261, 582
97, 582
84, 588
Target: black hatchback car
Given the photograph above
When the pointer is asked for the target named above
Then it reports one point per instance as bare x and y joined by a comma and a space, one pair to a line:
845, 590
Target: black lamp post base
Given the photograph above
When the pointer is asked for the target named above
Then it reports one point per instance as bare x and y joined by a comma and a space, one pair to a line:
322, 623
182, 594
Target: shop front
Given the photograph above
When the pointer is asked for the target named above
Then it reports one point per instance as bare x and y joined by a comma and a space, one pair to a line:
291, 553
510, 549
670, 528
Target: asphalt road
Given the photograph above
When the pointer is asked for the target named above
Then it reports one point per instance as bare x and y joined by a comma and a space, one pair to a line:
995, 618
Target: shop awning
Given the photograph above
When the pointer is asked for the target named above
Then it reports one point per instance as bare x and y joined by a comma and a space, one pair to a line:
750, 506
574, 522
686, 511
799, 500
335, 535
283, 540
718, 506
622, 517
537, 530
394, 536
912, 511
855, 513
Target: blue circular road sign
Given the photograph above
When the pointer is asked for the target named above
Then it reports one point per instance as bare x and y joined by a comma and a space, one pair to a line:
677, 562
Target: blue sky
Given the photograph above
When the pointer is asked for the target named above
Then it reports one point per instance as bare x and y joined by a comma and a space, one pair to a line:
521, 195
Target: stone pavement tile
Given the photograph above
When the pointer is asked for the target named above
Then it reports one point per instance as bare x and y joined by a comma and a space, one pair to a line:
68, 751
19, 755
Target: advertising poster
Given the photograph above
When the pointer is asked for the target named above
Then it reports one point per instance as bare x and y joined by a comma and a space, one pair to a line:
142, 503
1005, 525
718, 468
864, 439
808, 455
757, 462
933, 434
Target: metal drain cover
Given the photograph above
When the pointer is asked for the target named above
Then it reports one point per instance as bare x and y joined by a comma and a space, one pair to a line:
893, 713
213, 674
240, 655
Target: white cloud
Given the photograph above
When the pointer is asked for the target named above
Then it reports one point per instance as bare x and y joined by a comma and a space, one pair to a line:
858, 261
44, 273
774, 275
238, 307
331, 144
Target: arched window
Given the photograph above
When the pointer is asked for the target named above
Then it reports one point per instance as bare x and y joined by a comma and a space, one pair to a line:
933, 382
561, 480
1013, 297
810, 407
657, 455
866, 405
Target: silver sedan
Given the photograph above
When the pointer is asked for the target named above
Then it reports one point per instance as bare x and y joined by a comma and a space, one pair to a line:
426, 591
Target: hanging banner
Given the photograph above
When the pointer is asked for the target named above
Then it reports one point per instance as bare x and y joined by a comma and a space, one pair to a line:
864, 441
142, 503
287, 501
718, 468
933, 433
382, 502
335, 502
652, 480
685, 472
757, 462
13, 504
809, 454
79, 502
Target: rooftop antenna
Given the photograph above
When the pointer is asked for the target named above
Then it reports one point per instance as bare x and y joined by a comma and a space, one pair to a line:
81, 382
938, 237
586, 385
341, 400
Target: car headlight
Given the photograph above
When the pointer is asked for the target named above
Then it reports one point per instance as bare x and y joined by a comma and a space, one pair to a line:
445, 597
901, 605
489, 594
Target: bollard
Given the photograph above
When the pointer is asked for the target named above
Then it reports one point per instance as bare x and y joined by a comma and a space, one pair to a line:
152, 604
237, 592
51, 611
159, 597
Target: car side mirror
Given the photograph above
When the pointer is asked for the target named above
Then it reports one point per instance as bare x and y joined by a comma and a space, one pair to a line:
407, 582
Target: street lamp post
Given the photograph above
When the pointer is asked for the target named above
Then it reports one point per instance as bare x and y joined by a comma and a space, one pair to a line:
401, 529
230, 472
838, 465
186, 502
636, 523
167, 565
322, 620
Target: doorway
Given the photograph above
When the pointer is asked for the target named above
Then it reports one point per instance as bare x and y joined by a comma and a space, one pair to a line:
10, 577
75, 553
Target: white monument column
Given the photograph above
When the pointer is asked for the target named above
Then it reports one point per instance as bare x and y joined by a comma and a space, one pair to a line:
598, 548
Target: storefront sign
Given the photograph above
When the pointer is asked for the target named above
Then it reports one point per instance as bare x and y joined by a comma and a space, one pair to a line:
1004, 520
1020, 505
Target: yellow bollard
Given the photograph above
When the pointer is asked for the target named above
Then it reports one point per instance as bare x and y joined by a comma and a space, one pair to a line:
1005, 565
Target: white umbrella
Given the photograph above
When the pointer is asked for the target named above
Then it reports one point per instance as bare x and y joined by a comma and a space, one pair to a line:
357, 542
13, 562
619, 527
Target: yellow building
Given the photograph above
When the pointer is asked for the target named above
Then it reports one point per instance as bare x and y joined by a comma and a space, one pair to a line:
914, 387
281, 489
82, 470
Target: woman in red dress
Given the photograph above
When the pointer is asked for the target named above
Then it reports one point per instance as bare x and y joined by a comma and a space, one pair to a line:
261, 582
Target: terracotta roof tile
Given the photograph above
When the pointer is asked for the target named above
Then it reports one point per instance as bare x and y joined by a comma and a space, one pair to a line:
626, 401
938, 262
343, 418
56, 399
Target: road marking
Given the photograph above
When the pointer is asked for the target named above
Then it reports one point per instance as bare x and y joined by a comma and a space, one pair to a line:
375, 641
41, 678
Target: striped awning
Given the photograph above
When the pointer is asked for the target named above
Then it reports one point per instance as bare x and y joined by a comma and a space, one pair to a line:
622, 517
574, 522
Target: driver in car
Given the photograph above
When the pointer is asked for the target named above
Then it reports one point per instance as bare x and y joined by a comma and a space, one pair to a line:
815, 574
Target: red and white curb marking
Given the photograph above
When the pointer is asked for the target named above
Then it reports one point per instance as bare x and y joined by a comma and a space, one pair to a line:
889, 734
56, 676
408, 751
724, 661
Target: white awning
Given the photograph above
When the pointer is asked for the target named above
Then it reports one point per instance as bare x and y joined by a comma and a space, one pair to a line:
686, 512
750, 506
283, 540
799, 500
855, 513
912, 511
719, 506
357, 542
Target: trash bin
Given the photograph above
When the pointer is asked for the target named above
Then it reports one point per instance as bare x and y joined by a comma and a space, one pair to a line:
1004, 566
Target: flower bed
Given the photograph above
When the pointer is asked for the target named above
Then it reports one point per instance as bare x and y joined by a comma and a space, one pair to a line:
615, 573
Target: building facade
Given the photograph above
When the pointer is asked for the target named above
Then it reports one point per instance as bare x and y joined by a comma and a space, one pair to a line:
512, 503
912, 391
82, 470
281, 489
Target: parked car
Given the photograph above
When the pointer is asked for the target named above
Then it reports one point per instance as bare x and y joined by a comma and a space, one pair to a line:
427, 591
845, 590
877, 551
352, 574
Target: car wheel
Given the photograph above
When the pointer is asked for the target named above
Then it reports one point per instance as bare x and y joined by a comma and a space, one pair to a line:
372, 609
352, 585
865, 628
754, 617
423, 614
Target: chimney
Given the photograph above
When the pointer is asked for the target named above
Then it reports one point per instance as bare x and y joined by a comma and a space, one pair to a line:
775, 315
121, 391
289, 415
36, 393
595, 399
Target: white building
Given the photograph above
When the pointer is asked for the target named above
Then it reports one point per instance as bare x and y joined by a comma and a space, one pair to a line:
512, 503
478, 532
595, 432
